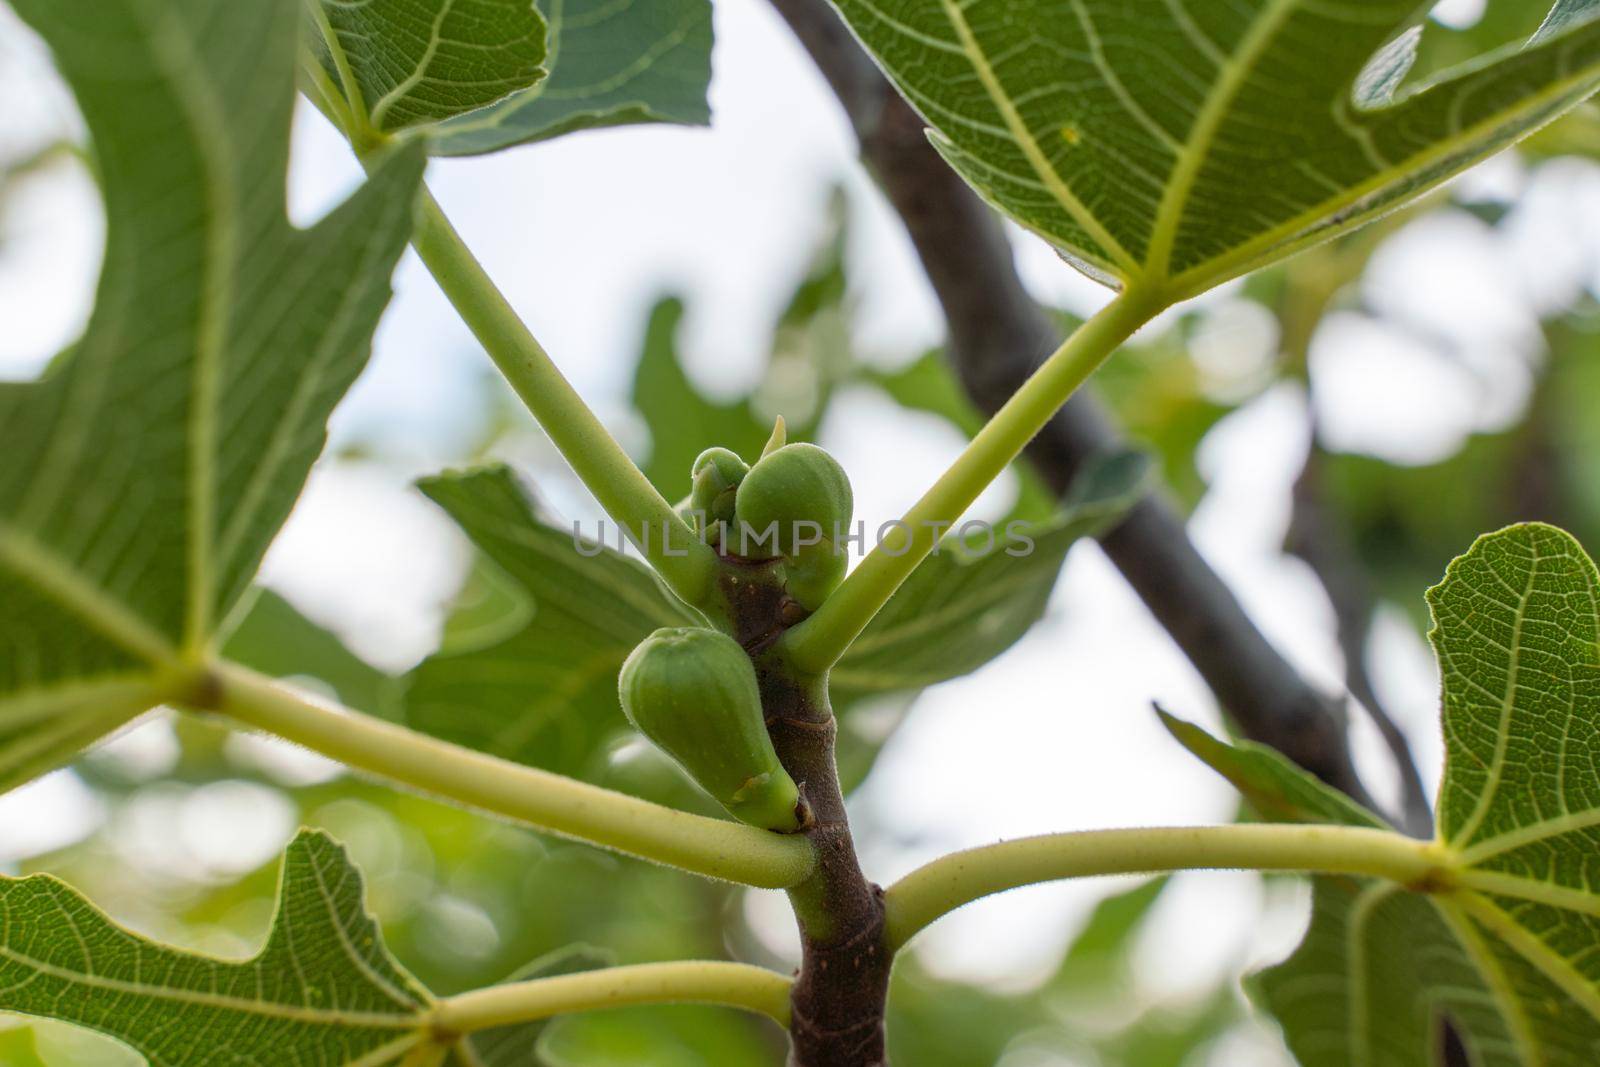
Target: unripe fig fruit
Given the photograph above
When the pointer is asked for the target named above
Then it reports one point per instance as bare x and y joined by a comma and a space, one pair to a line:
814, 572
795, 484
693, 692
721, 467
716, 475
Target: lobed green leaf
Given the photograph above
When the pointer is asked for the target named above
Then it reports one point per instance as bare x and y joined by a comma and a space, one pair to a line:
401, 64
611, 63
1503, 942
146, 473
1517, 632
478, 76
1174, 144
323, 990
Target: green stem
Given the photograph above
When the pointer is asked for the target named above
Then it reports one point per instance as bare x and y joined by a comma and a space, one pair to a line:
716, 848
816, 644
429, 1055
962, 877
687, 564
324, 95
349, 107
734, 985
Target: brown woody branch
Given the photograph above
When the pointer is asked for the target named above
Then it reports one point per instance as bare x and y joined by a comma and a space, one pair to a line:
839, 998
1317, 538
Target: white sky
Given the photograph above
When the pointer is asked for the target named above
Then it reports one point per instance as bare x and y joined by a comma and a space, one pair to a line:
583, 234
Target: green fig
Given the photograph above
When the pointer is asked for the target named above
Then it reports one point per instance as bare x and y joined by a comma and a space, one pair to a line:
791, 487
693, 692
813, 572
716, 475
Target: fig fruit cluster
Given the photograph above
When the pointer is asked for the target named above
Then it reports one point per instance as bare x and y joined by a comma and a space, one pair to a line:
693, 692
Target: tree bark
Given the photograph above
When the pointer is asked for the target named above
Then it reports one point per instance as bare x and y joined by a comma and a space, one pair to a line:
841, 993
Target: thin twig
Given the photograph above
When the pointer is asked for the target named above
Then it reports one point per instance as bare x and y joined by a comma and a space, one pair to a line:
1317, 538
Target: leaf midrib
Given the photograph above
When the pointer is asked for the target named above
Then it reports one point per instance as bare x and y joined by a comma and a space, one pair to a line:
23, 707
336, 923
1508, 708
1236, 69
1494, 974
386, 1054
1047, 173
1459, 908
174, 55
291, 419
1533, 833
1532, 949
468, 1053
435, 38
271, 1009
1355, 951
70, 588
1531, 890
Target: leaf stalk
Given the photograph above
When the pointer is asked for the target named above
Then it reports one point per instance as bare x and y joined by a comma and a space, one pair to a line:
733, 985
686, 562
960, 878
715, 848
817, 643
